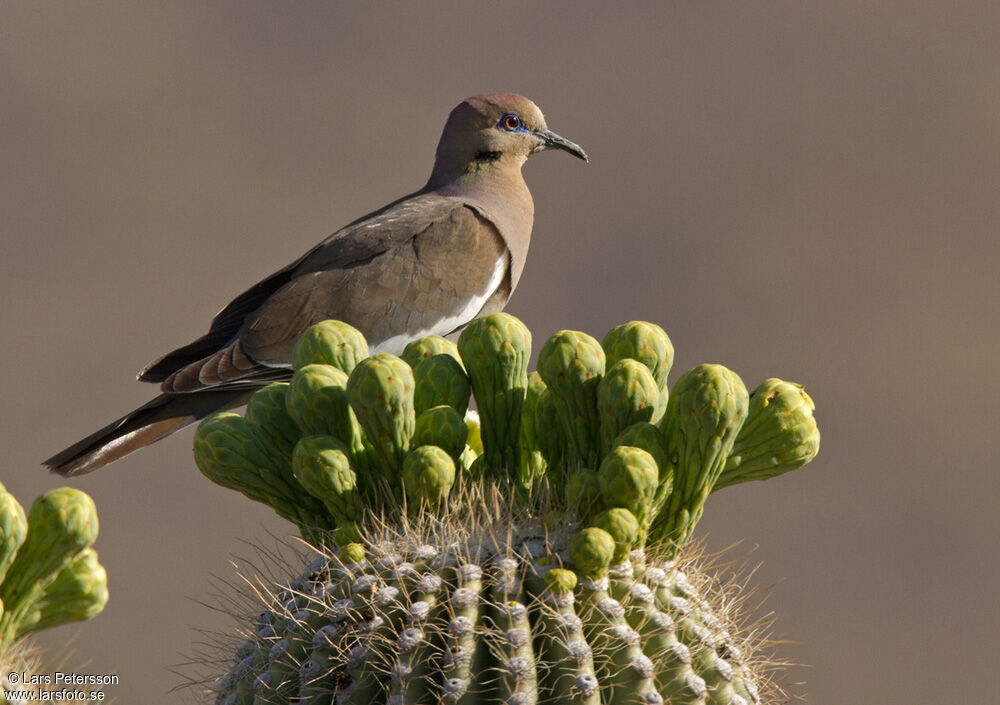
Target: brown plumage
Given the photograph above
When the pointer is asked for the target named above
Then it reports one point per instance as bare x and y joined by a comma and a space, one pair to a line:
425, 264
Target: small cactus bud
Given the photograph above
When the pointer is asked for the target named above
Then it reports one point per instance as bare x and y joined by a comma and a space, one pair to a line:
267, 414
428, 474
628, 394
352, 553
330, 343
416, 351
322, 466
707, 407
560, 581
591, 551
649, 344
441, 379
317, 400
380, 390
629, 478
623, 527
780, 434
495, 350
572, 365
443, 427
79, 592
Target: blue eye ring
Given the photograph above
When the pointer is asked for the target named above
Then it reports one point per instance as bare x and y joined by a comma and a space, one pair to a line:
511, 123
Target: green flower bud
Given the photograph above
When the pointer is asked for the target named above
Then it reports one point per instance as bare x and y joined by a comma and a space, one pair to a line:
532, 462
79, 592
441, 426
441, 379
330, 343
495, 350
322, 466
228, 453
780, 434
650, 439
416, 351
623, 527
628, 394
317, 400
268, 416
707, 407
380, 390
560, 581
428, 475
628, 478
13, 529
572, 365
591, 551
61, 524
352, 553
583, 492
647, 343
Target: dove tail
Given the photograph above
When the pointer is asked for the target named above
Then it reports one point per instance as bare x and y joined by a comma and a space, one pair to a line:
147, 424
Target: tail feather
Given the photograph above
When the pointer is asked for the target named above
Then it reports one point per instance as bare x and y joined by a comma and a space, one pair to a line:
147, 424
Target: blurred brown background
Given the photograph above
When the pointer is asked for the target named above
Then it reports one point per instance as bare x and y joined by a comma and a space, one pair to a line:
804, 190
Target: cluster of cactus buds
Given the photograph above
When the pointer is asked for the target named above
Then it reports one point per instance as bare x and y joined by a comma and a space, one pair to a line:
49, 572
594, 455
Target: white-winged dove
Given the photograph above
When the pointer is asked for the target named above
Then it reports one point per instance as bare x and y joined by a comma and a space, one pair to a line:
425, 264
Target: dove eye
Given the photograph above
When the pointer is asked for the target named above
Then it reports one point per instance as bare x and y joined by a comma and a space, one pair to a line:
510, 121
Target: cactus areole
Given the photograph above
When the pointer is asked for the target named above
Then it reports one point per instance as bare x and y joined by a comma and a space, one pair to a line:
543, 564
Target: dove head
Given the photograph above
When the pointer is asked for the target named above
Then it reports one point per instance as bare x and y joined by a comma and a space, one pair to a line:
491, 133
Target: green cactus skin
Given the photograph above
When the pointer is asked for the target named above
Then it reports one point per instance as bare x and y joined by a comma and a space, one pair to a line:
330, 343
416, 351
79, 592
707, 407
267, 414
629, 478
317, 401
322, 466
412, 625
531, 460
649, 344
428, 475
441, 379
572, 365
61, 524
380, 390
628, 394
780, 434
495, 350
443, 427
13, 529
227, 452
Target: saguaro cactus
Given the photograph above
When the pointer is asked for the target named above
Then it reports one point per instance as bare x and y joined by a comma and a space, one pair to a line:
553, 569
